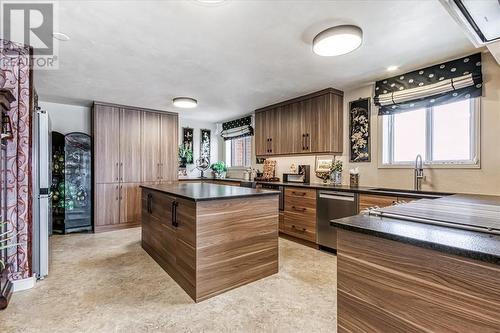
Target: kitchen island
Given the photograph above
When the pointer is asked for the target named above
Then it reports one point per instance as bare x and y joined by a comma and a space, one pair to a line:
211, 238
400, 275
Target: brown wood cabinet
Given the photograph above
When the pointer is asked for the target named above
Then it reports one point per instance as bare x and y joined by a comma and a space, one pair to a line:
300, 213
107, 207
106, 144
309, 124
131, 146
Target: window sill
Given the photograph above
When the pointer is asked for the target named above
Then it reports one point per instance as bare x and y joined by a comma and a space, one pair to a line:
432, 166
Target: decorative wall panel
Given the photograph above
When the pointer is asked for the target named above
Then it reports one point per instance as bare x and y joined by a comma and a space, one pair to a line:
15, 75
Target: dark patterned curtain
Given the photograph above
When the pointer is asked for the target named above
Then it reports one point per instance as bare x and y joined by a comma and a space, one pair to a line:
237, 128
435, 85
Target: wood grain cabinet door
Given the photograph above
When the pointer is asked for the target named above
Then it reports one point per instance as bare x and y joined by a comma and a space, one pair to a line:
107, 204
150, 145
261, 139
130, 145
273, 130
106, 143
306, 122
130, 203
168, 146
327, 124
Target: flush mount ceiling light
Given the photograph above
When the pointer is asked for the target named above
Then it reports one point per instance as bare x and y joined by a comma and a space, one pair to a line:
392, 68
211, 2
185, 102
337, 40
60, 36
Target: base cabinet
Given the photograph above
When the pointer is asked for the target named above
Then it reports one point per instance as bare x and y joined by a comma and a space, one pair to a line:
300, 213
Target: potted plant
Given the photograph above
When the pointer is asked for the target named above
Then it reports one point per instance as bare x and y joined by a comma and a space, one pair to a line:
336, 172
219, 168
185, 155
5, 284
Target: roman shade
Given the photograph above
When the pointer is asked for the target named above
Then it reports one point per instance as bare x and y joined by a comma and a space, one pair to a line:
237, 128
435, 85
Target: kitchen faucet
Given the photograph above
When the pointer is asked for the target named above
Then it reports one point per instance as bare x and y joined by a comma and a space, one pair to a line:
419, 173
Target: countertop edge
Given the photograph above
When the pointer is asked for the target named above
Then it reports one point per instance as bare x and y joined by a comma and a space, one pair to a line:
234, 196
481, 256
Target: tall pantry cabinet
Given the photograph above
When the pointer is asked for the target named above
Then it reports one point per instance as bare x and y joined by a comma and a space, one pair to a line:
131, 146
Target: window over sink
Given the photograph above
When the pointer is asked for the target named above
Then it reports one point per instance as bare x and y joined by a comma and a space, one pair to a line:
239, 152
444, 135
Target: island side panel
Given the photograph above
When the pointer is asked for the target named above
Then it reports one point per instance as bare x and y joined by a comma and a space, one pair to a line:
171, 247
237, 243
389, 286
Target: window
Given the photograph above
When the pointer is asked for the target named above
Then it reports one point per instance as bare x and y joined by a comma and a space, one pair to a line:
239, 152
445, 134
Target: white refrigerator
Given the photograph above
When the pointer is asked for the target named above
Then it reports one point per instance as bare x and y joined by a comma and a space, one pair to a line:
42, 201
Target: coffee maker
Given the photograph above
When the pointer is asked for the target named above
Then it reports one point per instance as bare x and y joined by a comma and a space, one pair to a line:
303, 175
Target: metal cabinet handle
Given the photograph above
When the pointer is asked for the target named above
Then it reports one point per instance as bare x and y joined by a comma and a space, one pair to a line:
294, 227
303, 142
149, 205
117, 171
270, 145
174, 214
307, 141
121, 170
299, 209
299, 193
117, 195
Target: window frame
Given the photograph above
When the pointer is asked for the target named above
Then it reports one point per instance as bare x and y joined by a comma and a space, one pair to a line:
475, 144
239, 167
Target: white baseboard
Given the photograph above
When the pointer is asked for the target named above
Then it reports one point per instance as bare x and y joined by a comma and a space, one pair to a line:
24, 284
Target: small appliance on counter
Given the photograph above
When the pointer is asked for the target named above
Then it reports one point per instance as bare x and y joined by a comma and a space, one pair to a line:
302, 176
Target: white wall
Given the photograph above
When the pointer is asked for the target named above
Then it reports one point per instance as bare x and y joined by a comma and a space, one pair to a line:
214, 151
67, 118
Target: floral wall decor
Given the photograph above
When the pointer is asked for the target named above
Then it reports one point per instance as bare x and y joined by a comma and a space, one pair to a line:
205, 144
187, 141
359, 130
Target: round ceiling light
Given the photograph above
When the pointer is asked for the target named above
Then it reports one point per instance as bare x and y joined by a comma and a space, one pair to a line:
61, 36
185, 102
337, 40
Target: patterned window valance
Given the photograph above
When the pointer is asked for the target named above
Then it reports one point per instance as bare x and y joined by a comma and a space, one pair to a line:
435, 85
237, 128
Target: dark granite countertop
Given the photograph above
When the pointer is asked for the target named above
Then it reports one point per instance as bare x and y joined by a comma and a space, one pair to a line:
206, 191
471, 244
364, 190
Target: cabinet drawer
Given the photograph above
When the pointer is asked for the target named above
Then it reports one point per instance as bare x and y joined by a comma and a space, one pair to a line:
298, 192
305, 207
297, 228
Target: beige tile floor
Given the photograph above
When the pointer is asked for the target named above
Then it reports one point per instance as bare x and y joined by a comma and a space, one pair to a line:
107, 283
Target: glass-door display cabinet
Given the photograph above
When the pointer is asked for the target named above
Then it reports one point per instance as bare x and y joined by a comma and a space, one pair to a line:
71, 182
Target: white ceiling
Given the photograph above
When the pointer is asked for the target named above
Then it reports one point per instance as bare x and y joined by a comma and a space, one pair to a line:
237, 56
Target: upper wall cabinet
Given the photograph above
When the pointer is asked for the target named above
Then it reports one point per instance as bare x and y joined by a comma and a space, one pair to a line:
309, 124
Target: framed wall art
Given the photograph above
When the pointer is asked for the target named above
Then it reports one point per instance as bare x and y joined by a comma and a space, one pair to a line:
187, 141
359, 130
205, 143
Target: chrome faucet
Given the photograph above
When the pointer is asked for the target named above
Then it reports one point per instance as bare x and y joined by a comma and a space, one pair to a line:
419, 173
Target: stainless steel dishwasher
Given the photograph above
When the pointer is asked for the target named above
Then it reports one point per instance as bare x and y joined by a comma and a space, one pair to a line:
333, 205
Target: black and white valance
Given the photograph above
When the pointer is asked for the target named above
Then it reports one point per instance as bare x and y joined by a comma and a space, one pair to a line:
237, 128
435, 85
